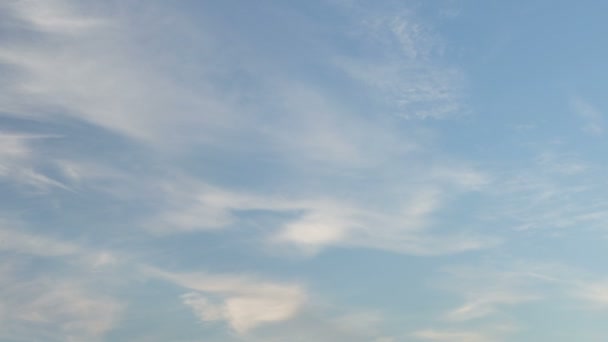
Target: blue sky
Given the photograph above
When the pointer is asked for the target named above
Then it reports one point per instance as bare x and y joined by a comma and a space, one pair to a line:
331, 170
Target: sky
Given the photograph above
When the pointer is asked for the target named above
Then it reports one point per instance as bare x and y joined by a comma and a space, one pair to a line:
322, 170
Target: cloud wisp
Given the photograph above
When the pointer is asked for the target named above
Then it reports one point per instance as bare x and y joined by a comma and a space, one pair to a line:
19, 163
592, 117
243, 302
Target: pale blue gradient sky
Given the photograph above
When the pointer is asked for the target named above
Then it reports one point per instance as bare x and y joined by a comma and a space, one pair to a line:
332, 170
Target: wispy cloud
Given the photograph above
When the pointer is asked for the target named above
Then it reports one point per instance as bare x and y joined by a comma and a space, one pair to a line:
80, 67
558, 191
597, 294
464, 336
45, 308
592, 117
316, 223
48, 304
14, 239
21, 242
483, 304
243, 302
489, 292
402, 71
19, 163
593, 293
53, 16
404, 226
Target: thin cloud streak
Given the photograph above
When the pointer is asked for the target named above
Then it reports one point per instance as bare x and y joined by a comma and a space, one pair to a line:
19, 162
594, 120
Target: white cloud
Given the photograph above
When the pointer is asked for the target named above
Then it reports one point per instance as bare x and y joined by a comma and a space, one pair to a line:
593, 293
86, 67
53, 16
14, 239
14, 146
242, 312
484, 304
489, 290
52, 307
319, 223
427, 244
492, 291
316, 229
80, 78
325, 223
21, 242
488, 332
408, 231
189, 205
243, 302
314, 223
19, 162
